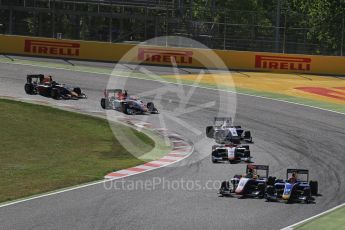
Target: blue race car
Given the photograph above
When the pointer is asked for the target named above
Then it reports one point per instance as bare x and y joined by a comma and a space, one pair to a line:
294, 188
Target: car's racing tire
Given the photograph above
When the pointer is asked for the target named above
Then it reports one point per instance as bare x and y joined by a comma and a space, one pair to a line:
262, 190
151, 107
314, 187
246, 147
232, 161
270, 189
271, 180
104, 103
124, 108
29, 88
132, 111
246, 153
210, 131
307, 194
248, 136
77, 90
214, 161
225, 186
55, 94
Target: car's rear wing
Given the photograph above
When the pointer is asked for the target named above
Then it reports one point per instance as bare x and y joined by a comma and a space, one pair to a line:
214, 147
258, 167
113, 90
298, 172
222, 120
107, 91
29, 77
222, 146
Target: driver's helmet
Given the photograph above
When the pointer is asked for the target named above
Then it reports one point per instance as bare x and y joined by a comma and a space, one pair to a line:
47, 79
227, 123
293, 178
251, 168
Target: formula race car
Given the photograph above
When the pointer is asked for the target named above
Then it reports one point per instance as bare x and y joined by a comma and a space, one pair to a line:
119, 100
231, 153
294, 188
224, 132
249, 185
45, 86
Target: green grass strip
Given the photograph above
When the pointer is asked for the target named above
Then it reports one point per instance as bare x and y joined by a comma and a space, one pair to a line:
44, 149
332, 221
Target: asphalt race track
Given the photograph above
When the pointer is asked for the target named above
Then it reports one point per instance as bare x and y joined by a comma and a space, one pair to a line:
285, 135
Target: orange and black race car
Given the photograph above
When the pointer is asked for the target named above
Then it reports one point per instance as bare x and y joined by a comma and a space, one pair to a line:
45, 86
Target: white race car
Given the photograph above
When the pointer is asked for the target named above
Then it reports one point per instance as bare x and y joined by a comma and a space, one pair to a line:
224, 132
119, 100
231, 153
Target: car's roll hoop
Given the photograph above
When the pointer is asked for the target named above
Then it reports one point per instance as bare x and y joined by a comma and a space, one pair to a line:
258, 167
298, 172
223, 120
29, 77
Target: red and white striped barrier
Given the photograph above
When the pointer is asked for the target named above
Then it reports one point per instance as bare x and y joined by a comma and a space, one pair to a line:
181, 149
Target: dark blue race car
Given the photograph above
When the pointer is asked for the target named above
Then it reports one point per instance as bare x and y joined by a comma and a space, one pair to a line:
250, 185
294, 188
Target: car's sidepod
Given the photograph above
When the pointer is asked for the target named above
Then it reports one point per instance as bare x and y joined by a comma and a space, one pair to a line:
242, 185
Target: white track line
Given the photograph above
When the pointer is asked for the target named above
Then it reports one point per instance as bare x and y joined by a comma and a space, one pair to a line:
291, 227
174, 83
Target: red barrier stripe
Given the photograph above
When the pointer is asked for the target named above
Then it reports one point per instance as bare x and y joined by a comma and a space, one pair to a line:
136, 169
152, 165
115, 174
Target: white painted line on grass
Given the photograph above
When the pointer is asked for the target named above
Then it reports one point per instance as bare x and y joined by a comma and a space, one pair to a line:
291, 227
